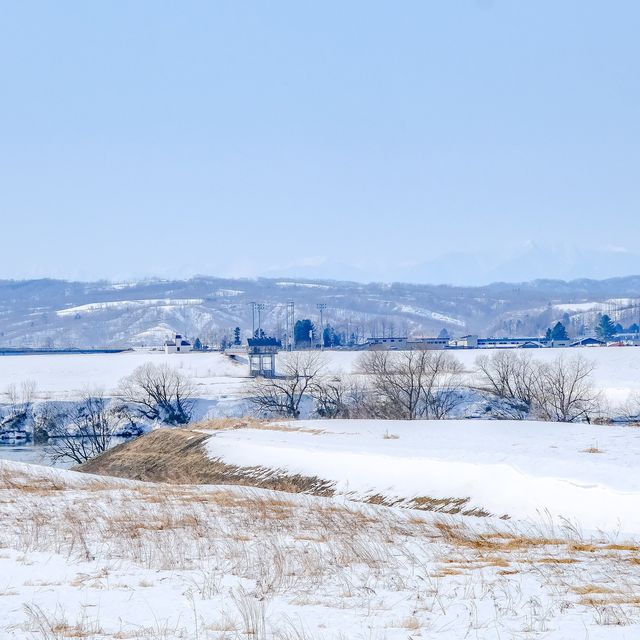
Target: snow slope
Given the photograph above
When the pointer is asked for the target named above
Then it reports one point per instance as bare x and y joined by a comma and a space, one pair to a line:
105, 559
96, 307
515, 468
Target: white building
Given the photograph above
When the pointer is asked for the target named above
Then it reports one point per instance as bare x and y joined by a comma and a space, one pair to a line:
178, 344
465, 342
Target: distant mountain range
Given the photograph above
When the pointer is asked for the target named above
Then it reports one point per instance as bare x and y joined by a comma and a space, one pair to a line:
57, 313
519, 262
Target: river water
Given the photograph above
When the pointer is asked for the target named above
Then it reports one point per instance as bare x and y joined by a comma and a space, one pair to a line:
32, 453
37, 454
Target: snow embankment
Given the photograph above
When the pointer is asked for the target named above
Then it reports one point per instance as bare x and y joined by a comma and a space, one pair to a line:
583, 473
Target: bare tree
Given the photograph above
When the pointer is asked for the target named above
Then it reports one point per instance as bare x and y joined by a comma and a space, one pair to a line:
330, 395
560, 390
510, 376
83, 433
282, 395
630, 410
441, 389
413, 384
396, 380
342, 397
565, 392
158, 393
20, 400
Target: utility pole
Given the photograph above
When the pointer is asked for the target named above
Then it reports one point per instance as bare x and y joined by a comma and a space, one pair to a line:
253, 319
321, 306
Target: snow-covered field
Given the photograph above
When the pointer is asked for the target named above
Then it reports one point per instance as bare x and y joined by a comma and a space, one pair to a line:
66, 376
444, 529
99, 558
617, 370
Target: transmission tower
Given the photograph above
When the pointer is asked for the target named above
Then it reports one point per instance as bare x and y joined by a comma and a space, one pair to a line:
290, 325
321, 307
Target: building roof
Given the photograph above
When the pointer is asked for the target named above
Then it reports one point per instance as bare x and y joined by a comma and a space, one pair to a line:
589, 340
263, 342
531, 344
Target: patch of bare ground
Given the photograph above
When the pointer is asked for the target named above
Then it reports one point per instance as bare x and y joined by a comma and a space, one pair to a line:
451, 506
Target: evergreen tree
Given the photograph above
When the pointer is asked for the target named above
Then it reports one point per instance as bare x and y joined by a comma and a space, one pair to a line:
330, 337
303, 332
634, 328
618, 328
236, 336
548, 335
605, 328
197, 344
444, 334
559, 332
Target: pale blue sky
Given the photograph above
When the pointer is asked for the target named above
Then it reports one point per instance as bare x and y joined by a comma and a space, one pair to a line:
428, 141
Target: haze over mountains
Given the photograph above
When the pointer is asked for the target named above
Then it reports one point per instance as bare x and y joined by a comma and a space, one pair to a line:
60, 314
521, 262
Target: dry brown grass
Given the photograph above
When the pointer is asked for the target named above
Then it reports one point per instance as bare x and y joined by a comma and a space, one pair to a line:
411, 623
593, 449
277, 426
222, 424
493, 541
56, 626
556, 560
589, 589
225, 424
304, 549
627, 546
178, 456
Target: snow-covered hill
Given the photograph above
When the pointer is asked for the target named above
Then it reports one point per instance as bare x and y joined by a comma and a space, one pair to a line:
55, 313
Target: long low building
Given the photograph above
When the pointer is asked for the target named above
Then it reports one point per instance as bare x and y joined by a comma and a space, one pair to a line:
475, 342
402, 343
406, 344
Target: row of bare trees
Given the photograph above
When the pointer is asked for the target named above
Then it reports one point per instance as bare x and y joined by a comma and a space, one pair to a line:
411, 385
404, 385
